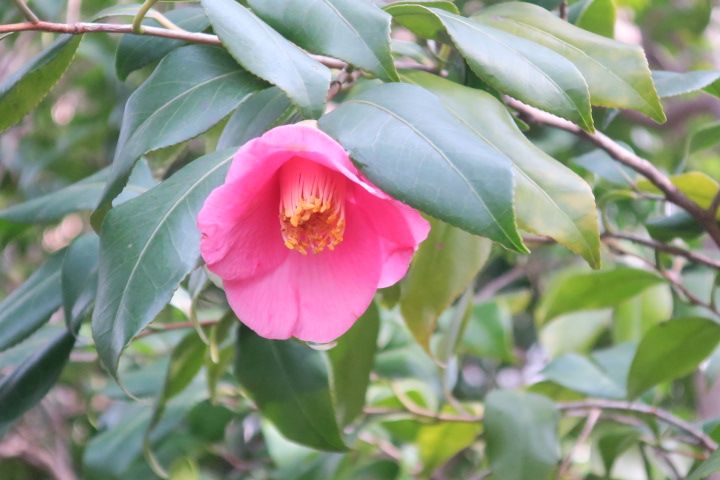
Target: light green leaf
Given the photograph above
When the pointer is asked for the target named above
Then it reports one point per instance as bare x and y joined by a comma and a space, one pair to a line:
147, 246
521, 433
706, 468
633, 317
698, 186
192, 89
489, 332
597, 16
30, 305
298, 400
526, 70
670, 84
447, 261
550, 199
267, 54
703, 137
616, 73
574, 332
671, 350
23, 90
411, 147
582, 375
351, 361
356, 31
439, 442
589, 291
137, 51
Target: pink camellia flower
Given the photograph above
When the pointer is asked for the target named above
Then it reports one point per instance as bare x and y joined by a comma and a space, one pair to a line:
300, 239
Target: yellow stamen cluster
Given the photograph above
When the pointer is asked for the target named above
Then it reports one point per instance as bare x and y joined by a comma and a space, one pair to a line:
312, 207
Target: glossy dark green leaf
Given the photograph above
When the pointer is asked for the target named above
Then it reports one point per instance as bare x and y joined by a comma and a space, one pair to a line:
671, 350
589, 291
24, 89
550, 199
356, 31
512, 64
137, 51
521, 433
298, 400
670, 84
82, 195
351, 361
582, 375
446, 263
147, 246
30, 305
192, 89
256, 114
79, 277
676, 225
633, 317
597, 16
267, 54
25, 386
410, 146
616, 73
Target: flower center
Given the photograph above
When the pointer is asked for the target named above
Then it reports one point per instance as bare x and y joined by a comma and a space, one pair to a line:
312, 206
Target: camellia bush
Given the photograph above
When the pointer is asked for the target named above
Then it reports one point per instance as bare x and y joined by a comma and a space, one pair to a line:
357, 239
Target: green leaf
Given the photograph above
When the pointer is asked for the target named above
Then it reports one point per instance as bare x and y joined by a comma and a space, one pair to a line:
489, 332
511, 64
351, 361
25, 386
582, 375
356, 31
574, 332
698, 186
703, 137
23, 90
420, 154
79, 277
634, 317
589, 291
267, 54
147, 246
446, 263
256, 114
298, 400
616, 73
521, 433
137, 51
550, 199
597, 16
676, 225
706, 468
439, 442
30, 305
600, 163
192, 89
671, 350
670, 84
82, 195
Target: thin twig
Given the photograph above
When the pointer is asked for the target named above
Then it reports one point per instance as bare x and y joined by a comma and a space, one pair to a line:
714, 205
495, 285
85, 27
624, 156
167, 327
590, 423
665, 416
26, 11
563, 10
663, 247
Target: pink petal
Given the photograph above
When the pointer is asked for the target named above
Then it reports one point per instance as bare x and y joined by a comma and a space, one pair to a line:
315, 298
241, 230
400, 229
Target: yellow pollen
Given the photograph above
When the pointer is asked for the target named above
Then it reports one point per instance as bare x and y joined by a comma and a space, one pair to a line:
312, 206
